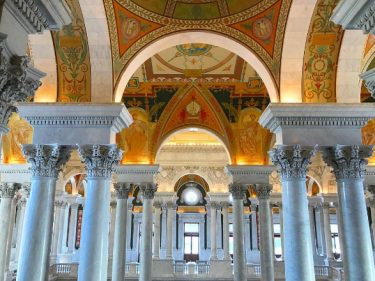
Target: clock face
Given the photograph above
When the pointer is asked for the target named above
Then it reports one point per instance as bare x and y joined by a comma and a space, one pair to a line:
193, 108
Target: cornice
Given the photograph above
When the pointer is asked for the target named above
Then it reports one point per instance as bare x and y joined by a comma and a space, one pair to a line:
136, 173
250, 174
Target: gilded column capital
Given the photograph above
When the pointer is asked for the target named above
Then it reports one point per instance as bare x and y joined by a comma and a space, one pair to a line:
263, 191
148, 190
122, 190
292, 161
238, 191
100, 160
348, 162
8, 190
46, 160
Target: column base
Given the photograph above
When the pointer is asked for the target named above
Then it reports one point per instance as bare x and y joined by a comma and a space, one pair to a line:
221, 269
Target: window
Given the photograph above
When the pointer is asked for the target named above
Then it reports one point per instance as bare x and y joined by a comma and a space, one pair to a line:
191, 241
277, 241
335, 241
231, 239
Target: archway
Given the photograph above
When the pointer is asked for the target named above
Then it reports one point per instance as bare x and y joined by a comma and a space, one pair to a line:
197, 37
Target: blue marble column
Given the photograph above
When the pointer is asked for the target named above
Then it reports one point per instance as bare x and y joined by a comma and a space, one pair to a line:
46, 162
292, 162
348, 163
100, 161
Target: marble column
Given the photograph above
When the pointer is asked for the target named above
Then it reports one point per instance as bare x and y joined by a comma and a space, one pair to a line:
280, 206
156, 244
23, 202
99, 161
266, 238
238, 194
12, 225
119, 243
327, 231
213, 207
63, 227
171, 215
348, 163
312, 226
46, 161
224, 211
148, 191
371, 189
56, 230
113, 205
291, 163
72, 227
7, 193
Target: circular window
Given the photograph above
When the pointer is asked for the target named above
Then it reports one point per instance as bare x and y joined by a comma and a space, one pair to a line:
191, 195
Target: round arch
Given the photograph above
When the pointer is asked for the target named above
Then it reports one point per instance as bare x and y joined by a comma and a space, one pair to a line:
187, 128
206, 37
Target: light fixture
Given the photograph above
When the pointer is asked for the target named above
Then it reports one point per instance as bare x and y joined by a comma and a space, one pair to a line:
191, 195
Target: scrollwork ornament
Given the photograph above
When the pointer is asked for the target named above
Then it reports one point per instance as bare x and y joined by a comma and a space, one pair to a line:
8, 190
292, 161
263, 191
238, 191
148, 190
348, 162
100, 160
46, 160
122, 190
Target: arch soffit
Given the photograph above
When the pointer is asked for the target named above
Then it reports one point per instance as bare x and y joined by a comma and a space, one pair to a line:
205, 37
223, 131
183, 181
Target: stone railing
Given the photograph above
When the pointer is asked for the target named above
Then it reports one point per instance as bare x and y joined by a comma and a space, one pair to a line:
185, 271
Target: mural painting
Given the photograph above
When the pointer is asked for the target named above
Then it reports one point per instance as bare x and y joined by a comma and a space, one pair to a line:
321, 55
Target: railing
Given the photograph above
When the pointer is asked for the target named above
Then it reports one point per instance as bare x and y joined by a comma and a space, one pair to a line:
254, 270
191, 268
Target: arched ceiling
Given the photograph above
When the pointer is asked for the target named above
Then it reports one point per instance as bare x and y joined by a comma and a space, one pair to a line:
196, 10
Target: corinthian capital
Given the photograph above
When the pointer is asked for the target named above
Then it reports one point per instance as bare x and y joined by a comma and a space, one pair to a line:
292, 161
348, 162
46, 160
263, 191
122, 190
148, 190
8, 190
100, 159
238, 191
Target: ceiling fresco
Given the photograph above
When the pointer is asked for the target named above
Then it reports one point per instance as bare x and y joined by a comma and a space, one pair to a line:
196, 85
259, 25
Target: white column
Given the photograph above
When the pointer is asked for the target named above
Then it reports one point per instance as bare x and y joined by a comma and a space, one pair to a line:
280, 205
319, 217
156, 252
63, 228
238, 194
72, 227
119, 243
11, 230
224, 211
20, 222
56, 230
171, 215
112, 228
327, 231
312, 225
292, 162
148, 192
266, 238
100, 161
372, 206
7, 193
213, 207
46, 161
348, 163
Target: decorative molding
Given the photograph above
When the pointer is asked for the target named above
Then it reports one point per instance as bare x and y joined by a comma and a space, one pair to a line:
348, 162
358, 14
250, 174
46, 160
136, 173
100, 159
292, 161
263, 191
148, 190
193, 148
369, 78
122, 190
35, 16
238, 191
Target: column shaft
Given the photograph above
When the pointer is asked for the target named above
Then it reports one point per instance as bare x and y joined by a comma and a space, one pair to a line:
327, 232
156, 254
373, 222
170, 219
20, 222
225, 231
238, 238
120, 231
213, 232
72, 227
56, 231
